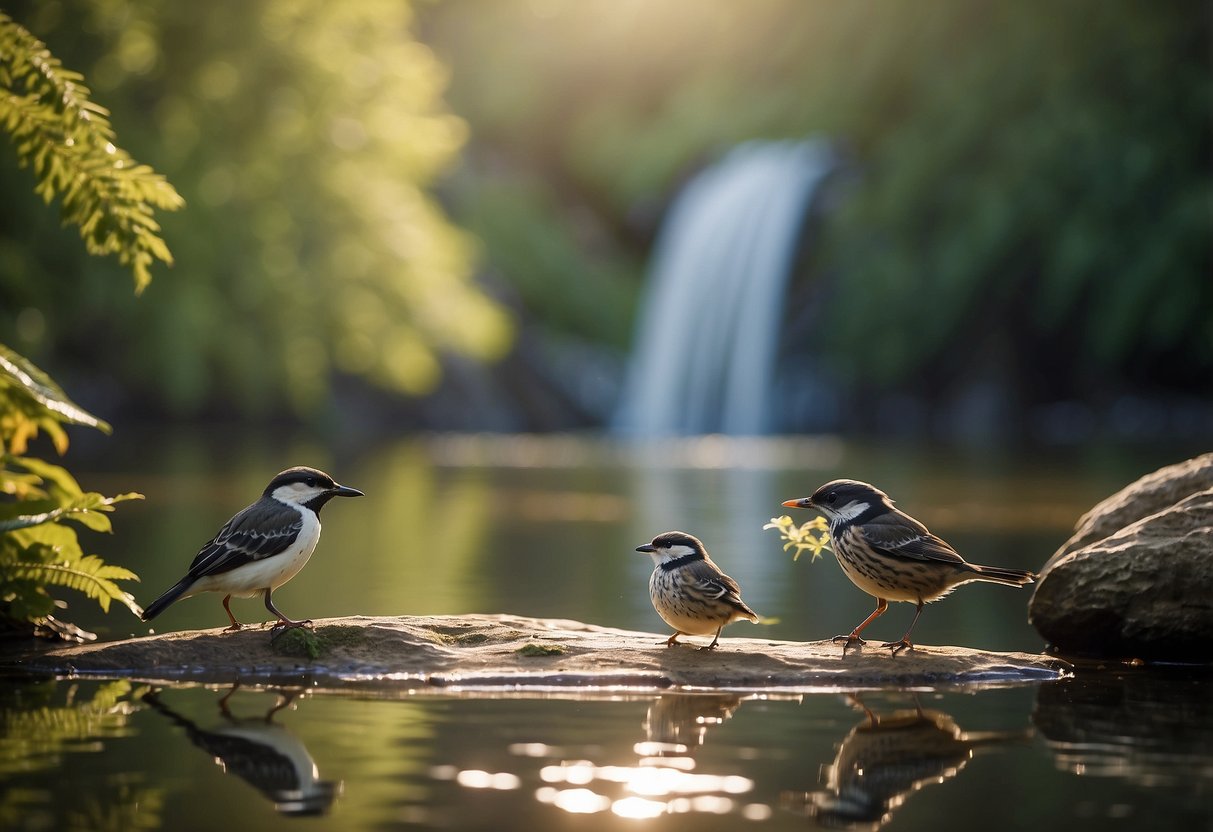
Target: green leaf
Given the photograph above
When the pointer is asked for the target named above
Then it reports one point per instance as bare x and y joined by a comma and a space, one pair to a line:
20, 375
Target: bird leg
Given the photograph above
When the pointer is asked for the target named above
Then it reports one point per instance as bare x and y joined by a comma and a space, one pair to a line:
672, 640
715, 641
223, 707
236, 625
905, 644
284, 623
853, 639
284, 699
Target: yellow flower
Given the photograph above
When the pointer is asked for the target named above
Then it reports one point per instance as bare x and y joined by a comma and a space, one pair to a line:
802, 537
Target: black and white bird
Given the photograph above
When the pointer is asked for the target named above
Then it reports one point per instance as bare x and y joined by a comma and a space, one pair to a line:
891, 556
262, 547
689, 591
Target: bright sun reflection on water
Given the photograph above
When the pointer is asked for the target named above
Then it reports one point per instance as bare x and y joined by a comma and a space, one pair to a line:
644, 783
575, 801
661, 779
638, 807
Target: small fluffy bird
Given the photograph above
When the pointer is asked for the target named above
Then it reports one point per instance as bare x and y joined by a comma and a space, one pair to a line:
689, 591
262, 547
891, 556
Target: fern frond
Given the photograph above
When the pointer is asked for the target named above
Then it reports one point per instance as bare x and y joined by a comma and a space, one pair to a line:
89, 575
68, 142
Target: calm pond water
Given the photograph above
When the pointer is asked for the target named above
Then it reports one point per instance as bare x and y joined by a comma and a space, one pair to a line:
547, 527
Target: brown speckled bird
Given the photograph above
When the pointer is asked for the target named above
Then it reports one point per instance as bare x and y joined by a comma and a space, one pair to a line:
688, 589
891, 556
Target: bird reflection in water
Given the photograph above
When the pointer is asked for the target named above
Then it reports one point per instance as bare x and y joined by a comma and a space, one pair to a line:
681, 720
262, 753
885, 759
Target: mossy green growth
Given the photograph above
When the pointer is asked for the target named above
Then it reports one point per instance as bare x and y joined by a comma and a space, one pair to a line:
469, 639
303, 642
531, 650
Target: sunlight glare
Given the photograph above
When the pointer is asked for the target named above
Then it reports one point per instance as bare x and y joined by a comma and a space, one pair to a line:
574, 801
638, 808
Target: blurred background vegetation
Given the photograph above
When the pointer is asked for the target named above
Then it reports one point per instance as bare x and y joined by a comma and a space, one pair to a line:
438, 214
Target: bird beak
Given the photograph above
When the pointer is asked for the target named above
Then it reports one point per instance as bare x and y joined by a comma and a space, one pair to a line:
646, 548
803, 502
346, 491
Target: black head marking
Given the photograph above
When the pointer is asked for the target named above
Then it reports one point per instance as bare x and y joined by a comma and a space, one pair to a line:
668, 540
303, 475
838, 493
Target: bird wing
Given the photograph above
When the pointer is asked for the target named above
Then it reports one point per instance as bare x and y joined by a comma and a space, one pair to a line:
260, 531
905, 537
706, 578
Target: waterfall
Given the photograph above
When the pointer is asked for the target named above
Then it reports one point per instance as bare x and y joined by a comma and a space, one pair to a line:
704, 355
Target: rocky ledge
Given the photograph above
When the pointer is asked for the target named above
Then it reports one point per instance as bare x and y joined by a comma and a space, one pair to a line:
1136, 578
513, 652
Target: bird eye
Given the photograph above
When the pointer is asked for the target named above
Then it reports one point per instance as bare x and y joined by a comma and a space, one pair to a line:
831, 497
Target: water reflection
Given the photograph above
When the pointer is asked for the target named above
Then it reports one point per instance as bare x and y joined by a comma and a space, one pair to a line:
663, 778
658, 777
886, 758
1148, 727
44, 727
1111, 751
263, 753
682, 720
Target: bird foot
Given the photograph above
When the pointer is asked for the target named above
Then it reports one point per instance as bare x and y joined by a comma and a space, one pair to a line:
898, 646
852, 640
711, 646
282, 626
234, 628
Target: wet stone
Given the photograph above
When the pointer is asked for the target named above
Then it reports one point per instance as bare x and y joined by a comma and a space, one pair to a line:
369, 652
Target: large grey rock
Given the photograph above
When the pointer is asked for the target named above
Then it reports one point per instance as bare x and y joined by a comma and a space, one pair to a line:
1144, 592
513, 652
1148, 495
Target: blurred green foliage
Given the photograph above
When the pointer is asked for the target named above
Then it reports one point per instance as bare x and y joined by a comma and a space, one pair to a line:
304, 135
1032, 193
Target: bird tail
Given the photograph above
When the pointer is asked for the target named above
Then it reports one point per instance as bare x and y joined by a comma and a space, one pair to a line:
743, 611
169, 596
997, 575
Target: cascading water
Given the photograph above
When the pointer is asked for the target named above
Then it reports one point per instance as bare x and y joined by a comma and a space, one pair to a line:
708, 329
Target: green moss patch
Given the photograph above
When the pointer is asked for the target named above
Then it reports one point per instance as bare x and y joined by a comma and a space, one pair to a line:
303, 643
531, 650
